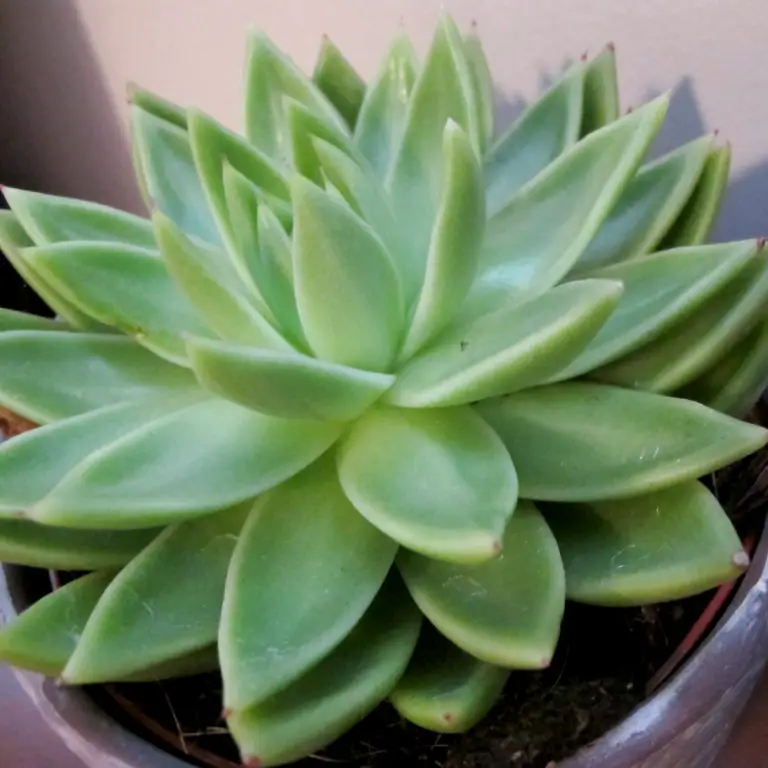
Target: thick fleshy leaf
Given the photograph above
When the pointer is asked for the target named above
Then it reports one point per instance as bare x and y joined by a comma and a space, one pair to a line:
661, 546
23, 542
445, 689
439, 482
539, 235
695, 221
78, 372
198, 459
214, 290
347, 290
647, 208
271, 75
123, 286
505, 612
516, 347
455, 242
288, 385
587, 442
165, 163
601, 92
339, 81
158, 106
164, 605
51, 219
381, 122
689, 348
659, 291
482, 85
10, 320
344, 687
13, 239
541, 134
736, 382
316, 577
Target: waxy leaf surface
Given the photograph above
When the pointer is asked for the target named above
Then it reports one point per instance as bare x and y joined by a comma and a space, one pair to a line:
338, 80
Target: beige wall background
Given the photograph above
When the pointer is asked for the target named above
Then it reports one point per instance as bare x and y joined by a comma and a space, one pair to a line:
64, 66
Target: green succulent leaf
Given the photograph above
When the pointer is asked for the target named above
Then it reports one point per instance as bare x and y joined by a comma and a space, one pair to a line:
660, 291
316, 576
588, 442
75, 373
516, 347
505, 612
122, 286
337, 693
288, 385
534, 241
439, 482
11, 320
338, 80
482, 86
601, 92
688, 349
537, 138
455, 242
445, 689
166, 167
50, 219
381, 122
197, 459
164, 605
660, 546
648, 207
697, 217
158, 106
347, 290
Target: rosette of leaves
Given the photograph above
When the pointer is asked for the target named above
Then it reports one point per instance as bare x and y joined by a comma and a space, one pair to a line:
365, 364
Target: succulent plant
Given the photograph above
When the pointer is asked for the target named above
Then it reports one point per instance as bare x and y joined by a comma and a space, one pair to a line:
370, 363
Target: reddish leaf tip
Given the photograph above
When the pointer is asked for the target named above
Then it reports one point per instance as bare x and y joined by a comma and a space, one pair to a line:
741, 559
226, 713
761, 243
448, 717
497, 547
585, 56
545, 662
630, 110
611, 47
251, 762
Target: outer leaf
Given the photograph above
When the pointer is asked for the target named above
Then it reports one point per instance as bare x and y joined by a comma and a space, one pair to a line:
439, 482
516, 347
661, 546
648, 207
455, 243
482, 85
283, 384
158, 106
445, 689
381, 122
601, 92
659, 291
51, 219
78, 372
164, 158
214, 290
164, 605
122, 286
506, 612
347, 291
687, 350
695, 221
339, 81
537, 138
316, 577
339, 691
10, 320
198, 459
586, 442
538, 236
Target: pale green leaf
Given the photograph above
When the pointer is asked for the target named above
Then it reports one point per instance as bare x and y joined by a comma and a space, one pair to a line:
158, 106
601, 92
295, 591
74, 373
587, 442
198, 459
516, 347
164, 605
288, 385
337, 693
505, 612
445, 689
347, 290
438, 481
339, 81
482, 85
660, 546
10, 320
660, 291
